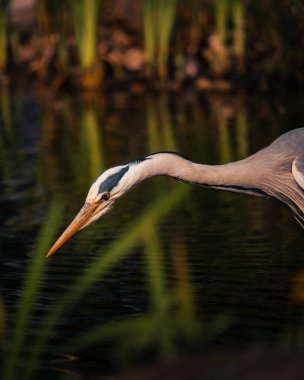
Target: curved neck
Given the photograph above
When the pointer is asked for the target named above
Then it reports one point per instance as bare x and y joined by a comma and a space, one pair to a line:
233, 176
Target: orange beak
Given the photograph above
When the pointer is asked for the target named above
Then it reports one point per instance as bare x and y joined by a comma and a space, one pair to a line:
81, 220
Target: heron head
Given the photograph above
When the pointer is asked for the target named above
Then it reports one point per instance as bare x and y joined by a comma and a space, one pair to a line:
108, 187
115, 182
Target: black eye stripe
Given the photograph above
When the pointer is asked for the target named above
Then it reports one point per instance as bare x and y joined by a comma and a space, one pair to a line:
112, 180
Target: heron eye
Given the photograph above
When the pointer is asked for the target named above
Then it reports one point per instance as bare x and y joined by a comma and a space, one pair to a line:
105, 196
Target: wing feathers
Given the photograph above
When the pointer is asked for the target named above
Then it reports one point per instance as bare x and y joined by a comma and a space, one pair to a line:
298, 170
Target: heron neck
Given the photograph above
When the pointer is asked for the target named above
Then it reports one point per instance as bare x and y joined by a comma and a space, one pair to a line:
212, 175
234, 176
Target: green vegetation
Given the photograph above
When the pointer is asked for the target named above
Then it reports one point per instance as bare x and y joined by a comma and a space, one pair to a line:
3, 34
221, 14
85, 17
239, 33
85, 27
2, 322
159, 17
32, 282
90, 43
172, 312
78, 139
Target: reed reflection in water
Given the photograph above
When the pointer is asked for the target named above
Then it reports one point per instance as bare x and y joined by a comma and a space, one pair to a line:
173, 269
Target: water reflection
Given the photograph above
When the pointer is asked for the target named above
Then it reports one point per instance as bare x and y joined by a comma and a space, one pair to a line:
2, 321
30, 288
172, 267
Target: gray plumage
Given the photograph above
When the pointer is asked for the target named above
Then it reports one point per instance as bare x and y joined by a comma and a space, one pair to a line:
276, 171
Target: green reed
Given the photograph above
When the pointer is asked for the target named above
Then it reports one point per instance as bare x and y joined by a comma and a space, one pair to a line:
54, 17
171, 316
163, 139
7, 136
64, 27
60, 17
66, 19
155, 326
85, 26
233, 12
99, 267
183, 290
159, 19
242, 132
160, 129
226, 116
221, 20
161, 324
197, 24
2, 321
3, 34
225, 146
31, 286
6, 114
161, 299
238, 20
91, 144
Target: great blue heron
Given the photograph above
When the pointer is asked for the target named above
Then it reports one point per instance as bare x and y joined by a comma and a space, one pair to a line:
276, 171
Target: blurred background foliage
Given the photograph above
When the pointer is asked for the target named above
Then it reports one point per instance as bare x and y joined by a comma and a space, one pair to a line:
179, 269
210, 44
163, 275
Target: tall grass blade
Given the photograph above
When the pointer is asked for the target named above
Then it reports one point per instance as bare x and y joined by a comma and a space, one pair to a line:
115, 253
3, 34
91, 138
167, 13
149, 35
184, 293
31, 287
168, 138
2, 321
242, 132
85, 27
159, 18
221, 16
224, 139
158, 291
7, 138
238, 14
154, 136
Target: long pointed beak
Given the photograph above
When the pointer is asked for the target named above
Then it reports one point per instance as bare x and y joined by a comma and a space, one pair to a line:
82, 218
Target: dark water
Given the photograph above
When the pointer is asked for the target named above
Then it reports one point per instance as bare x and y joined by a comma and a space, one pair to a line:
173, 269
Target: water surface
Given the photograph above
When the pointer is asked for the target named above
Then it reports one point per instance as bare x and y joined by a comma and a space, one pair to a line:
173, 269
